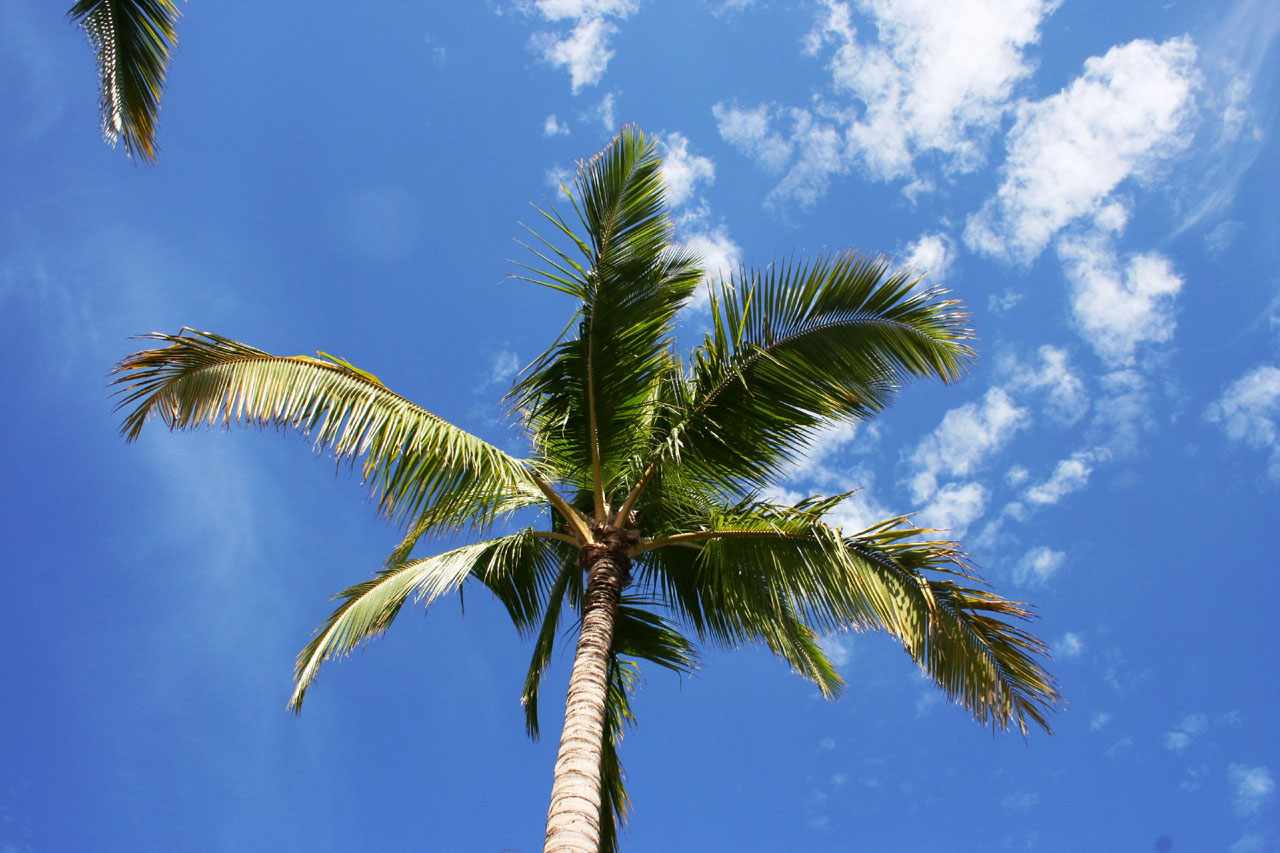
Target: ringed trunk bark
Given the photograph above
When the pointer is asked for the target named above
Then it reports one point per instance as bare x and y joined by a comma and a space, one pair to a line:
573, 820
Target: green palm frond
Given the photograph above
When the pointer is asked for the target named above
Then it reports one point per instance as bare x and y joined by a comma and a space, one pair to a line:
569, 575
615, 804
759, 572
802, 344
132, 41
588, 398
411, 458
369, 607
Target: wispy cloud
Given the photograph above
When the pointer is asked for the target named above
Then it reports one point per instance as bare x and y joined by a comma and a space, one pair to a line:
967, 436
1251, 788
1248, 411
1038, 566
1069, 645
1185, 732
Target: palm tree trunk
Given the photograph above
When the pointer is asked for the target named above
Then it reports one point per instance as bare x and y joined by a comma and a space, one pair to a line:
573, 821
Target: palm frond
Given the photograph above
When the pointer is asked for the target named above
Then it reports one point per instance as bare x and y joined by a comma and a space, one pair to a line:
803, 344
969, 644
369, 607
133, 41
588, 398
411, 458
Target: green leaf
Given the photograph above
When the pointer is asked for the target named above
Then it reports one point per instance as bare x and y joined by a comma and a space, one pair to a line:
133, 41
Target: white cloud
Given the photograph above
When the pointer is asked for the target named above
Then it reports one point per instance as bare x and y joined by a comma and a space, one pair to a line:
606, 112
1188, 729
1070, 475
1038, 566
1129, 111
1250, 842
720, 255
839, 648
1118, 309
1252, 787
964, 439
1248, 411
749, 132
553, 127
1069, 645
931, 255
938, 80
1098, 719
1023, 803
954, 507
1067, 399
503, 364
682, 169
584, 51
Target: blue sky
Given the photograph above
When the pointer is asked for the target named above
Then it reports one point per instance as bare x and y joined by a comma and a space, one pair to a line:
1096, 181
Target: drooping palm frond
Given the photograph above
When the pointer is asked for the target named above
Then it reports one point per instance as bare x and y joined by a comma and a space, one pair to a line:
370, 606
970, 644
411, 458
802, 344
133, 41
765, 573
587, 397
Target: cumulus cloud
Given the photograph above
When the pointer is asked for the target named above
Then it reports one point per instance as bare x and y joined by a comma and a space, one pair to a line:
839, 648
1070, 475
964, 439
1118, 307
1248, 411
584, 50
682, 169
931, 255
1038, 566
954, 507
1130, 110
938, 78
553, 127
1251, 787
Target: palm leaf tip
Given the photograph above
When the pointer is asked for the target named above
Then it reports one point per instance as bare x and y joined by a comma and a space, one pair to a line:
133, 41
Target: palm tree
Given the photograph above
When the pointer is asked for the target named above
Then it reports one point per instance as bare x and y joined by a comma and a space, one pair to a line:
652, 476
132, 40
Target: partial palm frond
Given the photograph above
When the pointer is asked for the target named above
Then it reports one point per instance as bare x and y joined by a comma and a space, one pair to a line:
802, 344
369, 607
476, 510
411, 458
568, 575
638, 633
624, 675
588, 398
133, 41
969, 644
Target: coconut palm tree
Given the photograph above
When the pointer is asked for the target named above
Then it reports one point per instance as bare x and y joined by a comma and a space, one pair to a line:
132, 40
644, 507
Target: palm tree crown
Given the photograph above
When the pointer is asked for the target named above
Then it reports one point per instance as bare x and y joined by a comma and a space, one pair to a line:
652, 474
